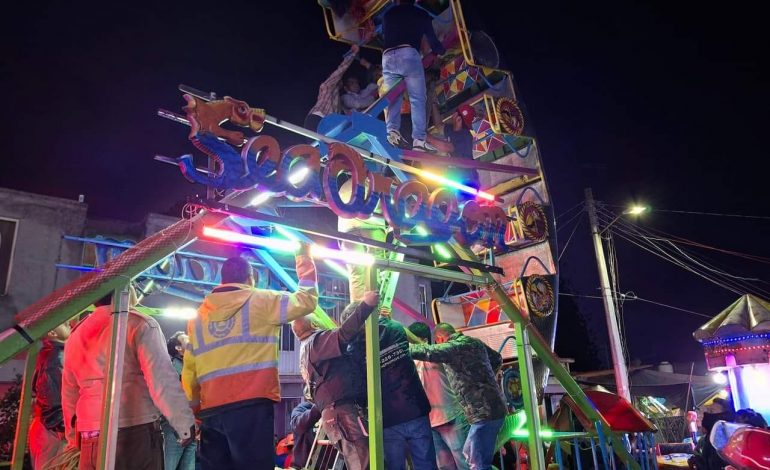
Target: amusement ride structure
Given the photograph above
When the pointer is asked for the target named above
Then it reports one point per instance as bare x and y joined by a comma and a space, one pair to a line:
501, 240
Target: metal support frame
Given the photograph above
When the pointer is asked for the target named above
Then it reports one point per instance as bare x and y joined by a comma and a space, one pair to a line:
108, 428
373, 384
25, 408
524, 354
541, 347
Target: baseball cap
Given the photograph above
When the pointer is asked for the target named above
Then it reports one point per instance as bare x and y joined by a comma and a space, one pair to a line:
467, 113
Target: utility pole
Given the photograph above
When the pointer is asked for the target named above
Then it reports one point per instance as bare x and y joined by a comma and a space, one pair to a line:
618, 360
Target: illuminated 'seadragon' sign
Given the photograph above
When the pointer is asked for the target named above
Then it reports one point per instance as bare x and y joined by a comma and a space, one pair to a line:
404, 205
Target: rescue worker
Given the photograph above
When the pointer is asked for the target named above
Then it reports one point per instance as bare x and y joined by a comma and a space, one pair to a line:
470, 366
336, 384
230, 371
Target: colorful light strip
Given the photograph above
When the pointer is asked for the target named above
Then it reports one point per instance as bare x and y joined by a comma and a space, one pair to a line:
184, 313
348, 257
336, 267
286, 233
261, 198
523, 433
440, 249
736, 339
298, 175
277, 244
454, 184
719, 352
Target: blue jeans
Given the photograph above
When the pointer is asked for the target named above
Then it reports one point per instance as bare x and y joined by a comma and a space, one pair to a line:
480, 446
406, 63
176, 457
449, 440
414, 435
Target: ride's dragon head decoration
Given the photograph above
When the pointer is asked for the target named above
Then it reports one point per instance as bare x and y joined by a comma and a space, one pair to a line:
207, 117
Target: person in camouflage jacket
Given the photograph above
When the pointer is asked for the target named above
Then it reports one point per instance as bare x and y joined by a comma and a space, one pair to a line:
471, 366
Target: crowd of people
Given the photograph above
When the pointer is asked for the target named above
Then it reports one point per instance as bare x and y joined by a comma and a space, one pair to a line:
706, 456
204, 398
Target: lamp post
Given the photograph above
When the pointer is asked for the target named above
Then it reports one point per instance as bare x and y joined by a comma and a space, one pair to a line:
616, 348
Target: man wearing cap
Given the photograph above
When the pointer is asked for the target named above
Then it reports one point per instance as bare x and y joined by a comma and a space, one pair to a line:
459, 144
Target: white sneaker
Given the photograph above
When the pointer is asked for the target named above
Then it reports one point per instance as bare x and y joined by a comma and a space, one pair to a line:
395, 139
422, 146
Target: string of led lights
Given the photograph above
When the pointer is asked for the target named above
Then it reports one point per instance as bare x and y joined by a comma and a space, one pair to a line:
736, 339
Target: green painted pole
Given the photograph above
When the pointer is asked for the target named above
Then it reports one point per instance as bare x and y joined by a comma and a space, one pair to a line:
528, 391
25, 408
373, 384
108, 429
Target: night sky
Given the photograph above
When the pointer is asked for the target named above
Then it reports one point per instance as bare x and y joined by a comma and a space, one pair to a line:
662, 103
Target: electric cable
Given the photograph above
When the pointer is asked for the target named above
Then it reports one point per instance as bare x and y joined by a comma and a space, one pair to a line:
563, 250
715, 275
647, 245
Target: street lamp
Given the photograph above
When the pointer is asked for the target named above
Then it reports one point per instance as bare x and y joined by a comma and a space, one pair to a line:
633, 210
616, 348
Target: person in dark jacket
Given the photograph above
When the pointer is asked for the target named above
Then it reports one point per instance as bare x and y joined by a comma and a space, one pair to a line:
46, 431
706, 456
405, 406
335, 381
303, 418
470, 366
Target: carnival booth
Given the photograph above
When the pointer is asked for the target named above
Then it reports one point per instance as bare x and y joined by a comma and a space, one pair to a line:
736, 343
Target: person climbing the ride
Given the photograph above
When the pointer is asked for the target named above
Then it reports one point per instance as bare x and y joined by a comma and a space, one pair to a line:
335, 381
230, 371
403, 28
328, 100
470, 366
355, 98
459, 144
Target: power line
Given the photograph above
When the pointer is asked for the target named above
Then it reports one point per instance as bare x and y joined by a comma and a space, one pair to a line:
575, 216
585, 296
660, 252
734, 281
570, 238
579, 204
635, 236
714, 214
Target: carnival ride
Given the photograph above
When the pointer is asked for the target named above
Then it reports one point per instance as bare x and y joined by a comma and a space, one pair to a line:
501, 241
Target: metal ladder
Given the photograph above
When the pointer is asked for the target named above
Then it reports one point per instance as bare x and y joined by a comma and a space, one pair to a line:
323, 454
